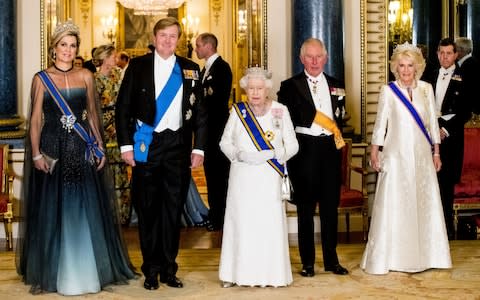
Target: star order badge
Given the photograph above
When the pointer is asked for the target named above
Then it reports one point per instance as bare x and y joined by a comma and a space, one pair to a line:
269, 135
192, 99
143, 147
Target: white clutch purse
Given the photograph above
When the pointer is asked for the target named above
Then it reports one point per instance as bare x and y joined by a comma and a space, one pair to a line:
51, 162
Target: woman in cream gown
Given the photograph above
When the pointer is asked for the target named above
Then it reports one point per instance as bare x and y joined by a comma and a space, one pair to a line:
255, 248
407, 231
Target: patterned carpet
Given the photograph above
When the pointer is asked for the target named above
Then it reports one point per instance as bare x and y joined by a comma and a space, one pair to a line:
198, 270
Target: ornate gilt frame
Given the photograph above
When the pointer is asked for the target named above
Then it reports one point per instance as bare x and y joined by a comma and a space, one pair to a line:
58, 11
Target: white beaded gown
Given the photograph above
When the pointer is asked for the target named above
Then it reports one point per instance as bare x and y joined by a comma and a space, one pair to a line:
407, 231
255, 249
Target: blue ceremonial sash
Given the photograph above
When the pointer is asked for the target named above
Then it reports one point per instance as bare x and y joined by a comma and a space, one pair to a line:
92, 147
143, 136
412, 110
256, 134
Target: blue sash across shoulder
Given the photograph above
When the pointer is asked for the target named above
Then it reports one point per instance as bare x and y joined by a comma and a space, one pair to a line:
69, 119
256, 134
143, 136
412, 110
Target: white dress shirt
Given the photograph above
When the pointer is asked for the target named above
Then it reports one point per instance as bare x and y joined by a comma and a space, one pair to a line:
172, 119
208, 64
321, 98
443, 80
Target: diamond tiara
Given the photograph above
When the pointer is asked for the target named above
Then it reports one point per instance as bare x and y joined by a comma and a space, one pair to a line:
66, 26
406, 47
257, 71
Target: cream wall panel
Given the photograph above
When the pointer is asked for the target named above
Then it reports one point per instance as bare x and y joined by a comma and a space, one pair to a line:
28, 50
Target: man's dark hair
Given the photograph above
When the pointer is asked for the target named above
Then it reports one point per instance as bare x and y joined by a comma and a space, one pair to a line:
447, 42
124, 56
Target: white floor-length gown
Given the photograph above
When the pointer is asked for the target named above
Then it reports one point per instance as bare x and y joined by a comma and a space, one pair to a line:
407, 231
255, 249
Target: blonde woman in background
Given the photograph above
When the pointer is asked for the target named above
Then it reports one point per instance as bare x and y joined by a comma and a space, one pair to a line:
108, 79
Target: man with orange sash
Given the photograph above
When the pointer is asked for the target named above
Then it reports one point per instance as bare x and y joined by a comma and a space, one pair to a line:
316, 103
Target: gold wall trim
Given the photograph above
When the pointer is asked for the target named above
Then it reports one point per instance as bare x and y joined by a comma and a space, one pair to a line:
374, 70
216, 6
363, 85
12, 123
43, 36
265, 35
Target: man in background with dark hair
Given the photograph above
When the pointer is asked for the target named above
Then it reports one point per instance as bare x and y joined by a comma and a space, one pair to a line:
122, 61
216, 79
452, 105
89, 63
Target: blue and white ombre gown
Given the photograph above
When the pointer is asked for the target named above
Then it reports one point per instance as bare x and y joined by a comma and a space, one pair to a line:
70, 240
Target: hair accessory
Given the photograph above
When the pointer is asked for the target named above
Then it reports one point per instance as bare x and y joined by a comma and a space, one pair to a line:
66, 26
407, 47
258, 71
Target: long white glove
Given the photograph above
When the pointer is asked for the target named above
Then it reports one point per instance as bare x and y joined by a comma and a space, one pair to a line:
279, 154
255, 157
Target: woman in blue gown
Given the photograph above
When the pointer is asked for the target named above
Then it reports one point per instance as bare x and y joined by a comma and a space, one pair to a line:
70, 240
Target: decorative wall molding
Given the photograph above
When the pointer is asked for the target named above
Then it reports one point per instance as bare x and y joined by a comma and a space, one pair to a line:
216, 6
85, 6
375, 71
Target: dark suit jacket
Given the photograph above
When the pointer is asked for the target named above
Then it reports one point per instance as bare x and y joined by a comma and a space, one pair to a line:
455, 102
136, 101
295, 94
470, 69
89, 65
216, 91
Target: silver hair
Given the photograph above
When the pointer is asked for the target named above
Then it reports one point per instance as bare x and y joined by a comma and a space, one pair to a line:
257, 73
464, 44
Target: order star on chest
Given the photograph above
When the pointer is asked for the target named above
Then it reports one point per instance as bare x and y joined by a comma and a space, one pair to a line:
192, 99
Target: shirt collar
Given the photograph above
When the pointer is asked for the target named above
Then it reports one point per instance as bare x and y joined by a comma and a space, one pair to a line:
461, 61
211, 60
318, 78
169, 61
448, 70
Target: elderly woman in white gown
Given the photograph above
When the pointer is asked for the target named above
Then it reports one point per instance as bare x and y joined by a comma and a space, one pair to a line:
407, 231
258, 139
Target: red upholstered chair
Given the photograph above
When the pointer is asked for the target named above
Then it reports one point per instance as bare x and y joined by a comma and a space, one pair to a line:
6, 192
467, 191
353, 201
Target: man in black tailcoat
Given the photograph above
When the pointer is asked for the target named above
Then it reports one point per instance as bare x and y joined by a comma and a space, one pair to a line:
159, 107
216, 83
452, 104
316, 103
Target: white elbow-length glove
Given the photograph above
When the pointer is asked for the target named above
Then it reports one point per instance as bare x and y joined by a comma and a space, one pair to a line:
279, 154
